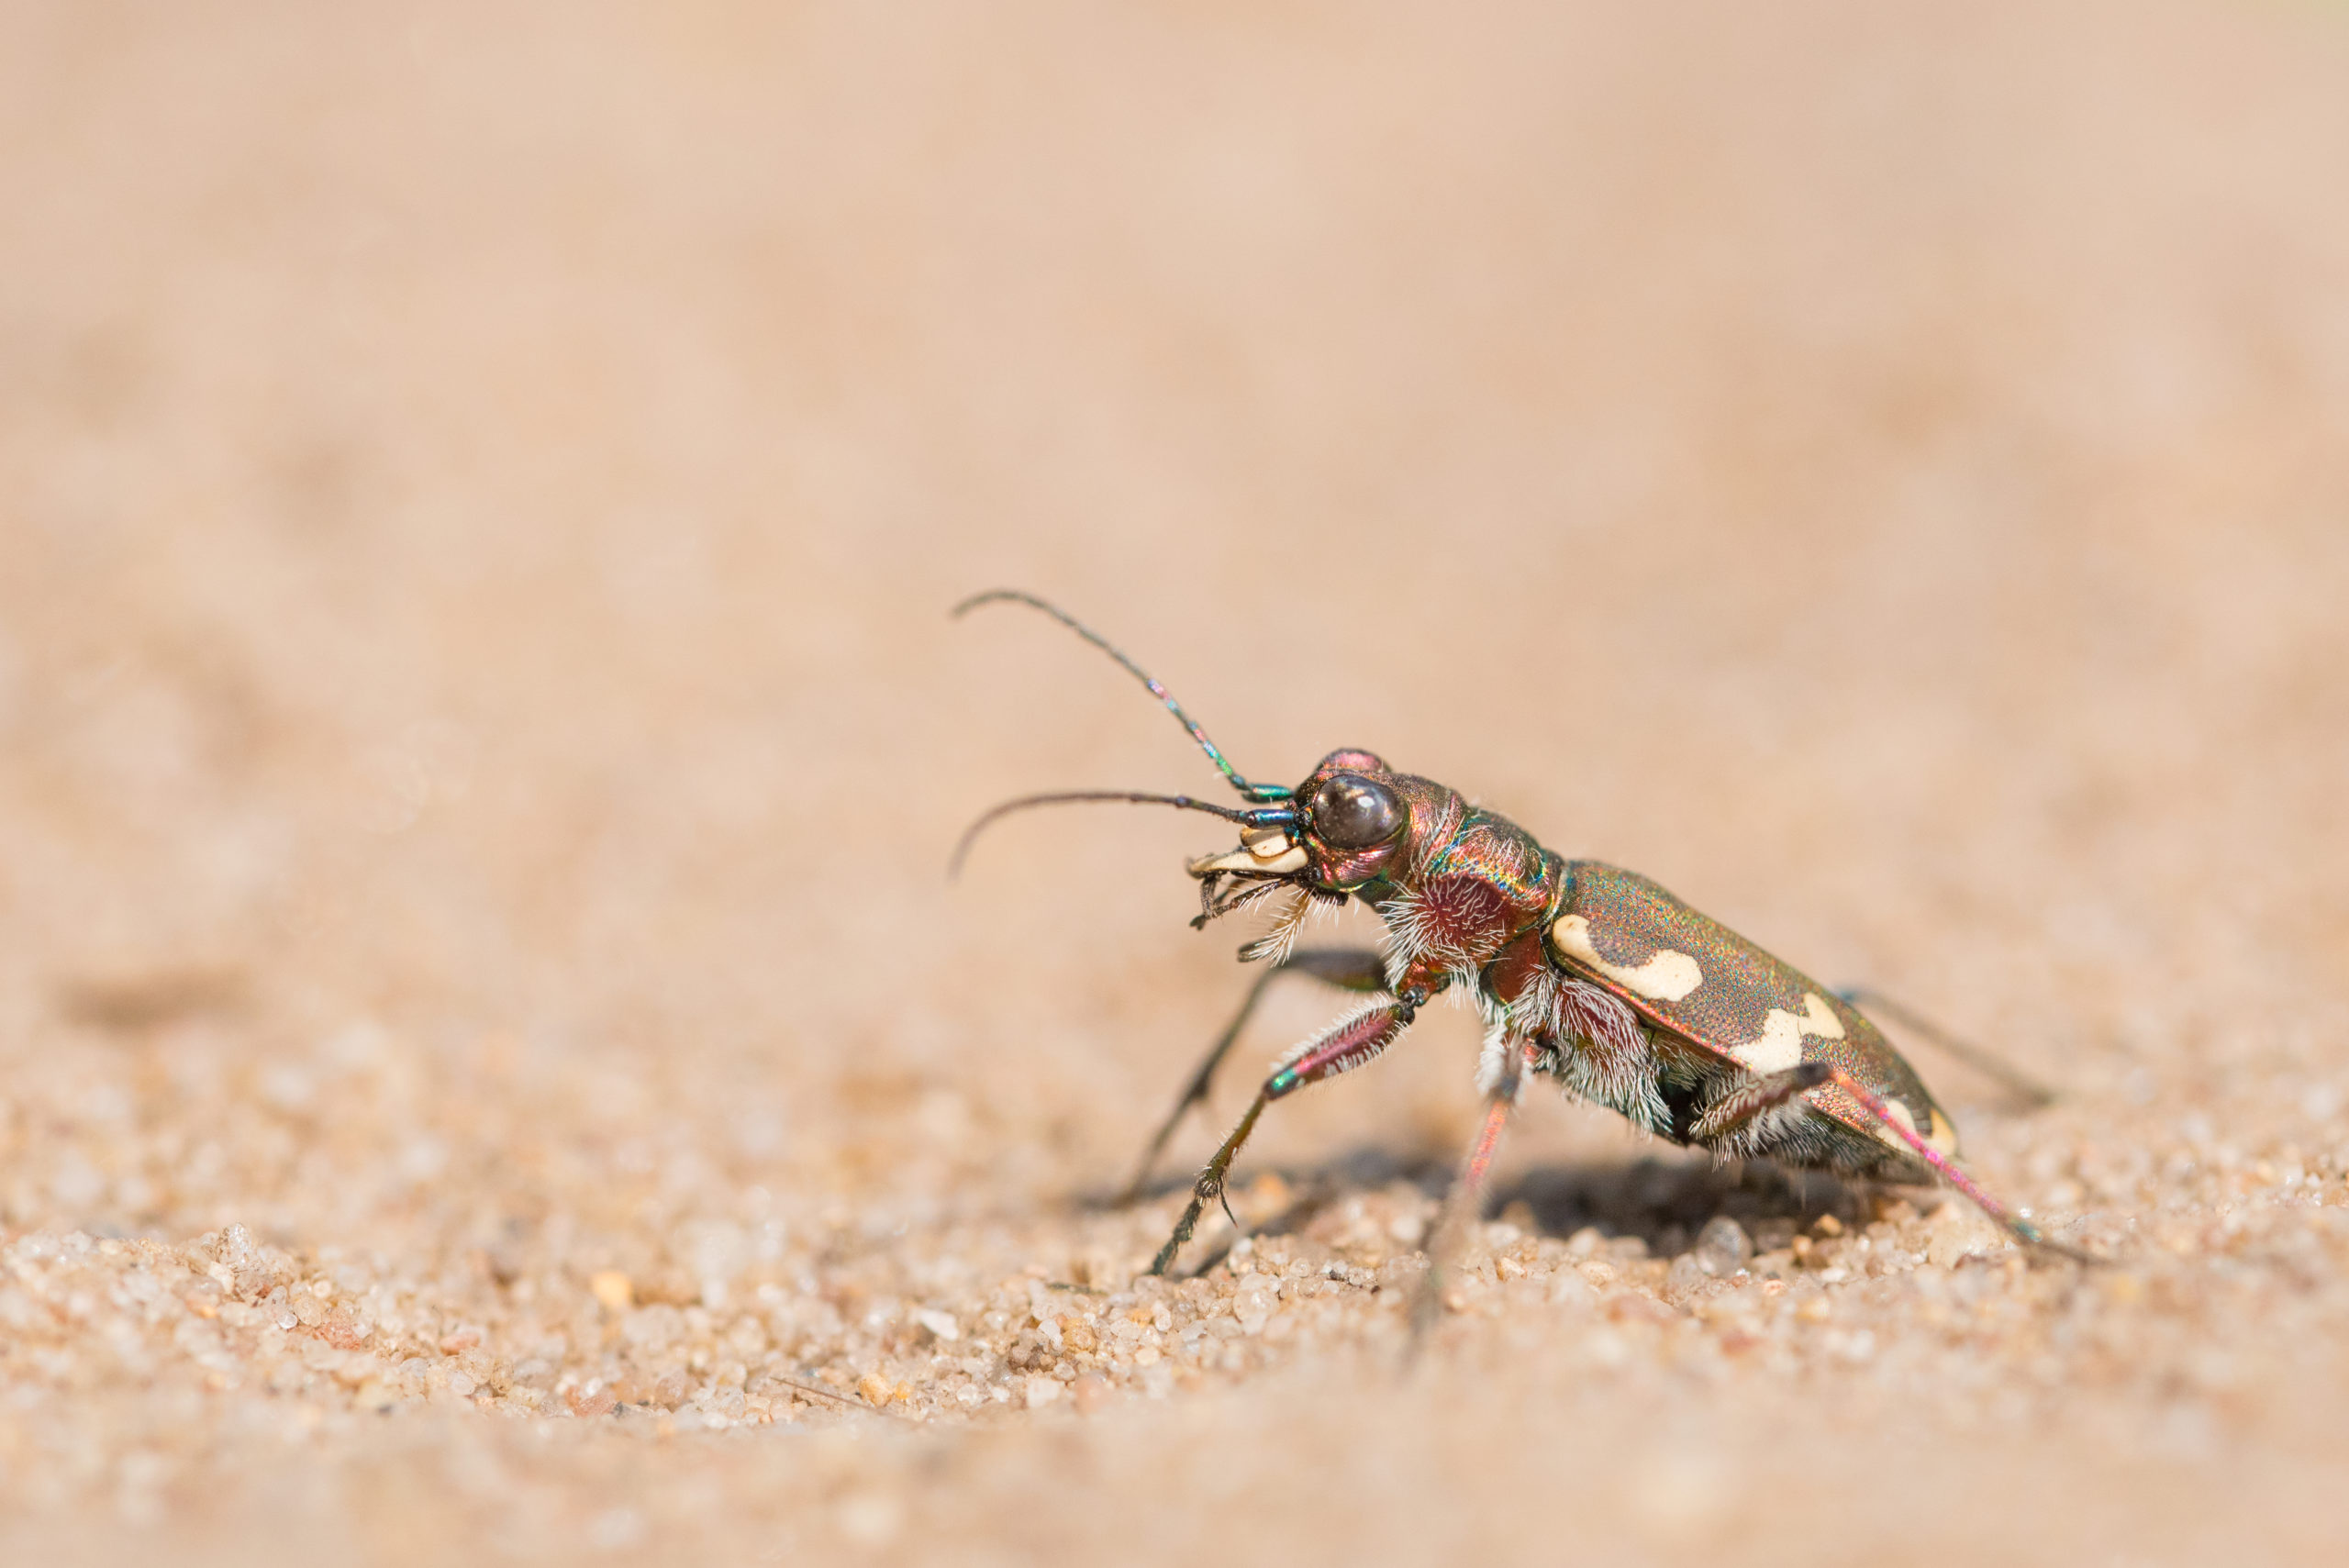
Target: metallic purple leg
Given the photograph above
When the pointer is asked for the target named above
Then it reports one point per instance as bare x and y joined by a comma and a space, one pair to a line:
2022, 1230
1461, 1204
1346, 1045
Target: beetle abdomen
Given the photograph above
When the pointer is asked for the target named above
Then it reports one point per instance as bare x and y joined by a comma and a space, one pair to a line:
1693, 976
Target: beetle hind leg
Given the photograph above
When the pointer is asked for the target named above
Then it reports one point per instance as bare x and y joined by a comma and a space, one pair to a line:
2022, 1230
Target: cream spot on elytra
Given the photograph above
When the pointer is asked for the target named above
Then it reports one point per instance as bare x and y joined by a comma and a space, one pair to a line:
1941, 1137
1900, 1113
1666, 977
1944, 1136
1780, 1045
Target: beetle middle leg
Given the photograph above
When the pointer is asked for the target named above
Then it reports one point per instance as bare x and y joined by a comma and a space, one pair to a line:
1462, 1203
1349, 969
1346, 1045
1743, 1103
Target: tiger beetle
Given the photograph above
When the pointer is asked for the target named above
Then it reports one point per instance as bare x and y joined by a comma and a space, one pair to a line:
1581, 971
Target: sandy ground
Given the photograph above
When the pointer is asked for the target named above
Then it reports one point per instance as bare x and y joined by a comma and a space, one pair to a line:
491, 1066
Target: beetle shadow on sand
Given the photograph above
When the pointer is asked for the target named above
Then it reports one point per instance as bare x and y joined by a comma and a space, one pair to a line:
1666, 1203
1663, 1202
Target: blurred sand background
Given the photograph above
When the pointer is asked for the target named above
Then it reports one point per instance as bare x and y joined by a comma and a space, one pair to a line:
481, 1016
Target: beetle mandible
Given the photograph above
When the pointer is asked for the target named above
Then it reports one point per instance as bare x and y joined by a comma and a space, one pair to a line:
1581, 971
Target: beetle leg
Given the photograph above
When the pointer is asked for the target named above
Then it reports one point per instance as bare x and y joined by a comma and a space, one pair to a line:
1462, 1201
1753, 1097
1351, 969
1341, 1047
2022, 1230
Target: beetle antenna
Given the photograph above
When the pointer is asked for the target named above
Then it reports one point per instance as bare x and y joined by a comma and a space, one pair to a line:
1269, 818
1215, 754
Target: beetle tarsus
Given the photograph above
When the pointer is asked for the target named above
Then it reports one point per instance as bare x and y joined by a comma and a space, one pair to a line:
1208, 1185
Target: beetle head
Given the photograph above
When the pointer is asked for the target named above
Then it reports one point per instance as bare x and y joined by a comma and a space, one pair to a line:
1352, 820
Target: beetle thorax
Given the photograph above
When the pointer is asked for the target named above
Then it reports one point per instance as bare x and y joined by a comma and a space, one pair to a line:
1461, 891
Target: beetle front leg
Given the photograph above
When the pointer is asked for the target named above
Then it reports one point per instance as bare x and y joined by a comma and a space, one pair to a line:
1344, 1046
1349, 969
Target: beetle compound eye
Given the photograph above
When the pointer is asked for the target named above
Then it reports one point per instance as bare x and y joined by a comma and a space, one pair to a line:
1350, 812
